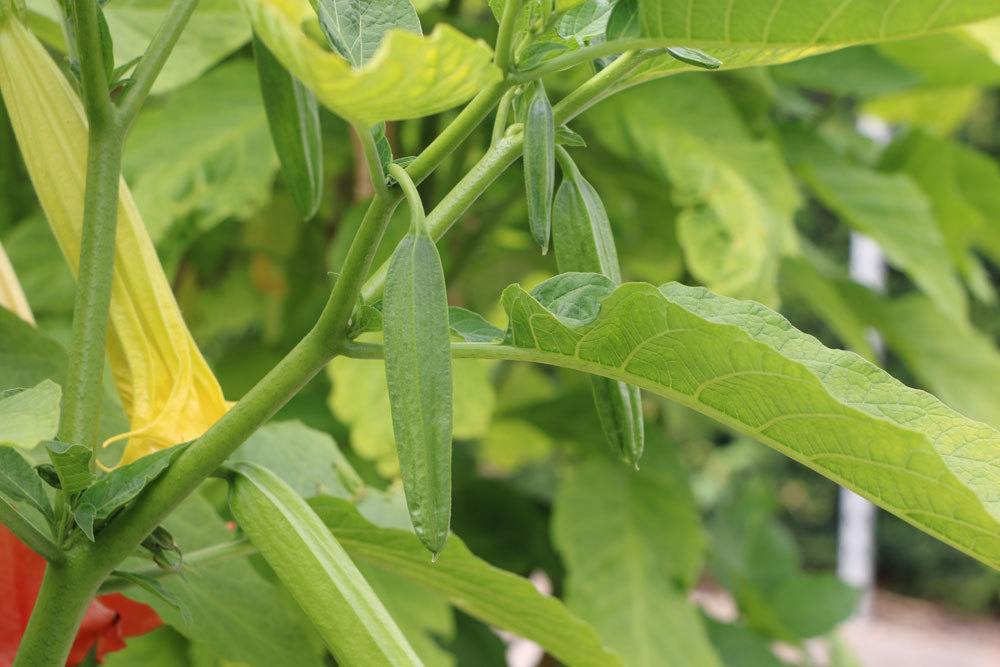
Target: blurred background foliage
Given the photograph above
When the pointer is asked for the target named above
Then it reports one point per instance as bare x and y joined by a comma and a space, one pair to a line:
746, 181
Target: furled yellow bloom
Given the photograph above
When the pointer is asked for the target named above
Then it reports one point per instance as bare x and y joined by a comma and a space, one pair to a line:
169, 393
11, 295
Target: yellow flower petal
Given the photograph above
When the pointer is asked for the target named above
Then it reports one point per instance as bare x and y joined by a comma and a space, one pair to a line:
11, 295
408, 77
169, 393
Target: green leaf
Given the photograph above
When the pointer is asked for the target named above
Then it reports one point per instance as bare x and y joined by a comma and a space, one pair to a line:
952, 359
355, 28
747, 367
756, 558
317, 468
224, 602
963, 186
293, 117
27, 417
497, 598
151, 585
360, 399
316, 570
768, 32
737, 197
891, 209
585, 21
425, 618
29, 357
539, 164
472, 326
633, 543
805, 283
186, 160
624, 21
418, 373
425, 74
119, 487
739, 646
72, 464
19, 482
215, 29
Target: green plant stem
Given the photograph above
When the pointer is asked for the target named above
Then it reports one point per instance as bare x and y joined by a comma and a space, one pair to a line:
82, 387
27, 533
418, 221
502, 52
154, 58
375, 172
93, 78
503, 111
217, 553
67, 589
503, 154
493, 163
576, 57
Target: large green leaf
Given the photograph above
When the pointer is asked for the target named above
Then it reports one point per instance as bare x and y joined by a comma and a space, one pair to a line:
952, 359
188, 162
768, 32
632, 543
20, 483
747, 367
891, 208
215, 30
496, 597
963, 186
307, 459
736, 194
408, 77
27, 417
756, 559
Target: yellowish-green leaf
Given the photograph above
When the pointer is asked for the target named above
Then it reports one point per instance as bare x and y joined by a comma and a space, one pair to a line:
952, 359
27, 417
633, 543
747, 367
736, 194
408, 77
769, 32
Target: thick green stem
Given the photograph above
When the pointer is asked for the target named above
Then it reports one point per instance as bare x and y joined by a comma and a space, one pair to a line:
62, 601
82, 388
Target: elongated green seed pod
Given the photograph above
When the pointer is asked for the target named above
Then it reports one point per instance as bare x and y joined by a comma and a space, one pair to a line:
316, 570
293, 117
584, 242
418, 372
539, 164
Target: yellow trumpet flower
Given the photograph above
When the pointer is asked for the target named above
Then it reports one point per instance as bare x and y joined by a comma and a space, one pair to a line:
169, 393
11, 295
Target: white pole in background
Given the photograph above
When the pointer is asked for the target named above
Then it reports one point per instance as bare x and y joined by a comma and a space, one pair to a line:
856, 530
